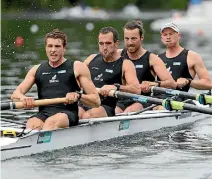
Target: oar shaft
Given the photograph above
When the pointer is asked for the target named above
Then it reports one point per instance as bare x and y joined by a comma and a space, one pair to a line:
197, 108
202, 98
173, 92
41, 102
12, 121
168, 104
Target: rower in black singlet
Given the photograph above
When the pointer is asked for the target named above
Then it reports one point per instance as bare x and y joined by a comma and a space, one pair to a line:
178, 67
105, 73
143, 71
56, 83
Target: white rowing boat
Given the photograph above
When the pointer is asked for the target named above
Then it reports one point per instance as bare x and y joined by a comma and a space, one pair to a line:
90, 130
99, 129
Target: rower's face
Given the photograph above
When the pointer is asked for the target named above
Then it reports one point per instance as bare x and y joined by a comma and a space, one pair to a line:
132, 40
107, 47
54, 49
170, 38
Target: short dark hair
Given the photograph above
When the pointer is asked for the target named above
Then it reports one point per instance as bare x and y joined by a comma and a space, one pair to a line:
56, 34
135, 24
106, 30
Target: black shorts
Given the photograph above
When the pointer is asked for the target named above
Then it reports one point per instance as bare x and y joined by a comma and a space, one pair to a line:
108, 109
124, 103
72, 116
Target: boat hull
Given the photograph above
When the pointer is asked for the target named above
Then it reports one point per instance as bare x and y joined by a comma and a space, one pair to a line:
37, 142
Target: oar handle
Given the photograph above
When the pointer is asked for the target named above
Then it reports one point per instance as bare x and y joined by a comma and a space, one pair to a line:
40, 102
111, 92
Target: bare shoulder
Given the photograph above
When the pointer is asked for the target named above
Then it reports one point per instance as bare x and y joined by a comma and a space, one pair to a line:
127, 62
128, 65
79, 64
119, 51
153, 56
89, 59
194, 58
194, 55
80, 68
155, 59
33, 70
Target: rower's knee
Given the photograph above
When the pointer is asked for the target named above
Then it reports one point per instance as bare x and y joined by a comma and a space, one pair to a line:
158, 108
118, 110
86, 115
34, 123
81, 112
50, 124
134, 108
59, 120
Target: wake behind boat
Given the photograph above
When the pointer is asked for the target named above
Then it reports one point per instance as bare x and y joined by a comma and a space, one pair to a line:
90, 130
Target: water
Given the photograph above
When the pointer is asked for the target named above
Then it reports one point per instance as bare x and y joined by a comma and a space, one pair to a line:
177, 153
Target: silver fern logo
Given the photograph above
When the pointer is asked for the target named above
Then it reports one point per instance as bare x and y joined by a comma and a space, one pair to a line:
54, 79
99, 77
168, 69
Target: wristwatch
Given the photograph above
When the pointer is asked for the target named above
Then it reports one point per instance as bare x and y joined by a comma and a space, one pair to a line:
80, 94
158, 82
189, 81
117, 86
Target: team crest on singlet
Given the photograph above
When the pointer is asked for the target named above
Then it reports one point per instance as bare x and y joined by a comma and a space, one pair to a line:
99, 77
54, 79
168, 69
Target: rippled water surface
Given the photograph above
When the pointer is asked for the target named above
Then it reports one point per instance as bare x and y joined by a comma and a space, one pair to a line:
183, 152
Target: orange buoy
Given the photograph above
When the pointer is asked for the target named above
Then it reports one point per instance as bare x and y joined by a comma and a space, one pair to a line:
19, 41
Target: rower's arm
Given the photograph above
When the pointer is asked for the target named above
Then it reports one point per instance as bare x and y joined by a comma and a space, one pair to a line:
26, 85
130, 78
160, 69
90, 97
204, 82
89, 59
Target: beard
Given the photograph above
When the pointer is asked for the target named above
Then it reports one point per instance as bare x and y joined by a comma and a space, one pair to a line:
132, 49
107, 54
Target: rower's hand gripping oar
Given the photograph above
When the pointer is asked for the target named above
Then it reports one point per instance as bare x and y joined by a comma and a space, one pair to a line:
42, 102
168, 104
201, 98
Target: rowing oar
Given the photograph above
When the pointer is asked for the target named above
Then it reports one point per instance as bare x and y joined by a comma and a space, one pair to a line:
41, 102
201, 98
12, 121
168, 104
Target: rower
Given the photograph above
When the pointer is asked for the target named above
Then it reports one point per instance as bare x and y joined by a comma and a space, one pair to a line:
57, 78
147, 64
109, 71
183, 64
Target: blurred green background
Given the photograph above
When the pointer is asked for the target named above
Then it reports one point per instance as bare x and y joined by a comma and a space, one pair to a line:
55, 5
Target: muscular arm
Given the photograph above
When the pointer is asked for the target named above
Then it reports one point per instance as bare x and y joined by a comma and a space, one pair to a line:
26, 85
82, 74
160, 69
195, 63
130, 77
89, 59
